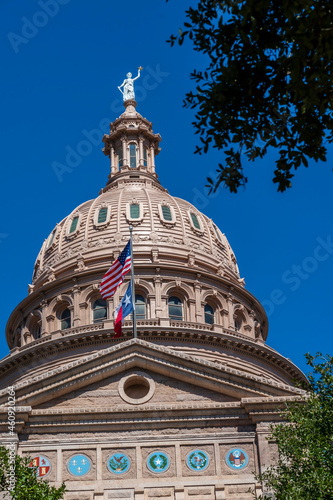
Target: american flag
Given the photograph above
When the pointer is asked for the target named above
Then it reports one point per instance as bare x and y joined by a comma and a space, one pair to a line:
115, 275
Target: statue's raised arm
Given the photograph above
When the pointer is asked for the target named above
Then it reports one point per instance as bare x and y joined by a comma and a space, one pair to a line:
128, 86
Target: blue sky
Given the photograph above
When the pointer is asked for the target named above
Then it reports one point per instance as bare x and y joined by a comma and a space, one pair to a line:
60, 72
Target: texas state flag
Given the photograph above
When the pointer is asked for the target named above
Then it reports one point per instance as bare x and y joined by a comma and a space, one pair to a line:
125, 308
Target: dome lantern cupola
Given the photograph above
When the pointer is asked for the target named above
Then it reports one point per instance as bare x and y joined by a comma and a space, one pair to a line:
131, 144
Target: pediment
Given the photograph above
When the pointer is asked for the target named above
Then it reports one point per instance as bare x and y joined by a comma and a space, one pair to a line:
166, 390
98, 371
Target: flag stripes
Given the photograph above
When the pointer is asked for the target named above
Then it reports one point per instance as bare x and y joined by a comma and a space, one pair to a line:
115, 275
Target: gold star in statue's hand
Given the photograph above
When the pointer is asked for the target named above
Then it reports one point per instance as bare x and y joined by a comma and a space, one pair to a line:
140, 68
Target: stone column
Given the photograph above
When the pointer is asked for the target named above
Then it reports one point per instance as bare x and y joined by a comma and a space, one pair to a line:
151, 307
158, 305
112, 159
50, 322
140, 151
152, 159
59, 466
76, 311
43, 330
262, 432
191, 303
231, 311
83, 313
99, 463
198, 308
124, 146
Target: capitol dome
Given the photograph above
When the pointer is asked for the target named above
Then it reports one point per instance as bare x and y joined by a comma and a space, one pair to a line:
196, 389
179, 254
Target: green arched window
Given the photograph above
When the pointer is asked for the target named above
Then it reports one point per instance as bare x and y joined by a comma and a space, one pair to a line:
166, 212
73, 227
102, 215
135, 211
195, 221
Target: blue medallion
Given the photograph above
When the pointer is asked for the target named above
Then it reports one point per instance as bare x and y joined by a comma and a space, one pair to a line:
237, 458
197, 460
119, 463
79, 465
158, 461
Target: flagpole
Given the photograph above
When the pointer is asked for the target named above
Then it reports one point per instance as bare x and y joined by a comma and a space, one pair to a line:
135, 335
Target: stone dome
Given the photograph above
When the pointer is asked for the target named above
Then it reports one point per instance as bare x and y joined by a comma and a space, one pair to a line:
177, 242
182, 262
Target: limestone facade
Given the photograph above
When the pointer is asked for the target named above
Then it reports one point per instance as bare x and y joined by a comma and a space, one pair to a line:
182, 412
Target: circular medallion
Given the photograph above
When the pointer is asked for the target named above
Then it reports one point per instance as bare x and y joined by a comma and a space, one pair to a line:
237, 458
79, 465
197, 460
119, 463
42, 464
158, 461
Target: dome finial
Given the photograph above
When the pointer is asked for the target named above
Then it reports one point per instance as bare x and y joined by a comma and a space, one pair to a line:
128, 93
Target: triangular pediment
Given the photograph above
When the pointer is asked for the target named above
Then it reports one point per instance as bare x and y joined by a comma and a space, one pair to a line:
135, 354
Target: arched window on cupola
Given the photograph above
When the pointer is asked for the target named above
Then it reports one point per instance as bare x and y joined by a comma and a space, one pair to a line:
145, 156
65, 319
209, 314
99, 310
132, 154
120, 157
175, 308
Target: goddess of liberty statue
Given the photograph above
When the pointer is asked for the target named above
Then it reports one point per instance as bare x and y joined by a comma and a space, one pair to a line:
129, 86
